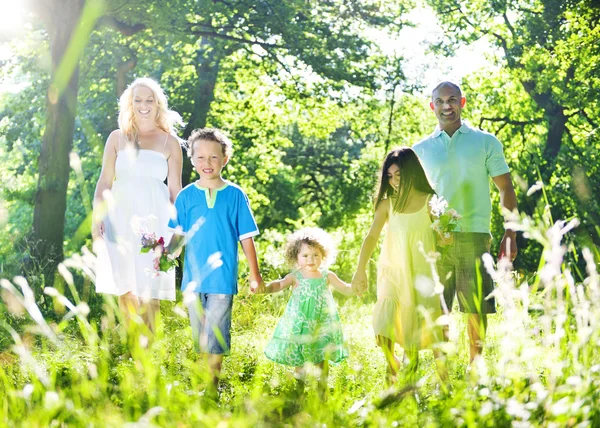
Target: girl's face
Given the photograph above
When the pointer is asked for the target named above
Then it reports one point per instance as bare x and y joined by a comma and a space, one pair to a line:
144, 103
393, 174
309, 258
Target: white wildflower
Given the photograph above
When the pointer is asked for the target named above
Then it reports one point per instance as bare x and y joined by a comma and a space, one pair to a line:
537, 186
438, 205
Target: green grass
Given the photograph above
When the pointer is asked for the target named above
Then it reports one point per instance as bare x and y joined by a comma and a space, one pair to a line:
540, 367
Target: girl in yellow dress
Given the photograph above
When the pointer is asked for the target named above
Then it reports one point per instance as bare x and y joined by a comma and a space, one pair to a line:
407, 306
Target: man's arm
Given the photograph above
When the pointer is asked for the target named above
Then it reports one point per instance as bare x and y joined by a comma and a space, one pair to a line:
508, 200
250, 252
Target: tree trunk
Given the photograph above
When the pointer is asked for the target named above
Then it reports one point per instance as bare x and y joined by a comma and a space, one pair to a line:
208, 58
122, 69
554, 114
388, 139
53, 163
557, 124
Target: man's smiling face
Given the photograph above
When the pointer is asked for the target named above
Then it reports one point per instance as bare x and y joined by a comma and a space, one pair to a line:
447, 104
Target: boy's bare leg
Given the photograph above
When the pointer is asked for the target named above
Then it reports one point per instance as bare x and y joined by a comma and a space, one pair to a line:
215, 363
476, 327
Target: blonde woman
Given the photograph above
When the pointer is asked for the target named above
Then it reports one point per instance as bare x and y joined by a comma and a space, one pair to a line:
131, 197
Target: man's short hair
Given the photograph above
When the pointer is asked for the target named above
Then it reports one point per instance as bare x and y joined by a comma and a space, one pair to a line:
446, 83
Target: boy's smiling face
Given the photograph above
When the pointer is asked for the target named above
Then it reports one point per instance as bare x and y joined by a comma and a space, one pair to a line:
208, 159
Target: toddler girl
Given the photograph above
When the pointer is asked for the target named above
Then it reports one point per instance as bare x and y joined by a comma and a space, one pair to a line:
309, 330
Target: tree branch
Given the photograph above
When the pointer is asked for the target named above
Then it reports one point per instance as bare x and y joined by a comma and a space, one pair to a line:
504, 45
296, 81
509, 121
235, 39
125, 29
508, 24
589, 119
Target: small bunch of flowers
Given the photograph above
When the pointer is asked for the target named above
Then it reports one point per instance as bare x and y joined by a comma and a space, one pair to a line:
164, 261
446, 220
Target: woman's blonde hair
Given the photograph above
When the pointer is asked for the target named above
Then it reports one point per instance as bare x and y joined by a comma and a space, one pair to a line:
166, 119
313, 237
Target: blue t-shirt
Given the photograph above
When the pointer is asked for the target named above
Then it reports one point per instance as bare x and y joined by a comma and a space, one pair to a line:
213, 226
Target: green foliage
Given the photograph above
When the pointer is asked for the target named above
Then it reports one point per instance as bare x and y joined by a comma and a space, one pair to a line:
311, 106
539, 367
246, 44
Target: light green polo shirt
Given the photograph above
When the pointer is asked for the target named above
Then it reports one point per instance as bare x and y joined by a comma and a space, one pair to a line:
459, 168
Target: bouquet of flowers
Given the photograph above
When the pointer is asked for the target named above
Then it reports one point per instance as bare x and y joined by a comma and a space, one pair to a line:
164, 261
446, 220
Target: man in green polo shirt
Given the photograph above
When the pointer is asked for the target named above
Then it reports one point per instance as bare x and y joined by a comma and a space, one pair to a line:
458, 160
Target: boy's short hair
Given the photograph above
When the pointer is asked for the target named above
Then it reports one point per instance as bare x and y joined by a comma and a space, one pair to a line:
210, 134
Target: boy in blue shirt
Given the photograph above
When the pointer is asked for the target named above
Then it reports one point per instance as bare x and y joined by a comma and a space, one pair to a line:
212, 216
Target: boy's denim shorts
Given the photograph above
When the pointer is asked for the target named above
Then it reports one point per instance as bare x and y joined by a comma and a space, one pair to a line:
210, 317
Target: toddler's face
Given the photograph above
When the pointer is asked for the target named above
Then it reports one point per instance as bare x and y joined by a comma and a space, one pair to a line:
393, 174
208, 159
309, 258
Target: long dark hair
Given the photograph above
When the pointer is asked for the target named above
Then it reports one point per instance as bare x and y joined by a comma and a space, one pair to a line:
412, 175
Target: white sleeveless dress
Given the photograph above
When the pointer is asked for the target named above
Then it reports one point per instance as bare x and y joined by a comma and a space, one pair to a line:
138, 201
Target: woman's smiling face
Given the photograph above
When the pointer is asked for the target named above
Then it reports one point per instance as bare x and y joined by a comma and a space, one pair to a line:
144, 104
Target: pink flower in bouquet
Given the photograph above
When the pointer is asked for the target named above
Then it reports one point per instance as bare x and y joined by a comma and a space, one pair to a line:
164, 261
446, 220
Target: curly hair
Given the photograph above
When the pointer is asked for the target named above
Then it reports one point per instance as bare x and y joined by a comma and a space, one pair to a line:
167, 120
210, 134
314, 237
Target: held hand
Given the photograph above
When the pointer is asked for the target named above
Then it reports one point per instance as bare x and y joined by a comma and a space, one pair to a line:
363, 288
176, 245
98, 230
359, 282
261, 289
444, 241
508, 246
157, 255
357, 289
257, 285
177, 252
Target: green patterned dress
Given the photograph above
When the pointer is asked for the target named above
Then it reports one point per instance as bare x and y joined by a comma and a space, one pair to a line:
309, 330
